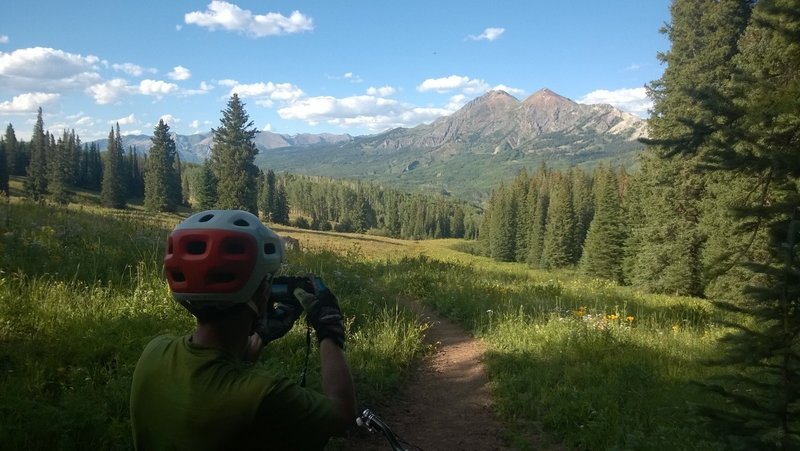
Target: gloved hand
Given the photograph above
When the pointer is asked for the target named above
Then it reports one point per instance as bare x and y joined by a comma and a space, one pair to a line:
277, 320
322, 311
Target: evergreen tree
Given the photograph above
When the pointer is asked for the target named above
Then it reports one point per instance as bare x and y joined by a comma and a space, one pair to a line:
160, 174
703, 35
113, 190
206, 195
503, 218
268, 195
281, 214
3, 169
763, 399
232, 159
583, 203
559, 238
59, 168
36, 181
176, 182
539, 221
12, 156
603, 248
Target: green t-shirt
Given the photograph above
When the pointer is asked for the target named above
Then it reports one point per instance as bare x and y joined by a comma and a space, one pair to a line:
185, 396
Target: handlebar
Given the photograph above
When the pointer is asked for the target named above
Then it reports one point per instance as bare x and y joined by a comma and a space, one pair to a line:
372, 422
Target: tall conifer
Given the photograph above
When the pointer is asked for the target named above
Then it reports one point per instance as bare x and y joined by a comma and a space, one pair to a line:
160, 175
603, 248
232, 159
113, 190
36, 181
12, 157
3, 168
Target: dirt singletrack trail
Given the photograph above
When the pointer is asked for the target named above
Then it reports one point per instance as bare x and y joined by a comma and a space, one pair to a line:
447, 405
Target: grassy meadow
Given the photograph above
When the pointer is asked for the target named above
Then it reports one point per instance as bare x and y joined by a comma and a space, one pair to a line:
584, 362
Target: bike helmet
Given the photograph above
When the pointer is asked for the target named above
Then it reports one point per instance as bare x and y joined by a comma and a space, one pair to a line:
218, 258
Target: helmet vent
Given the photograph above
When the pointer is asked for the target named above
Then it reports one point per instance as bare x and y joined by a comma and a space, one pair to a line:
221, 277
196, 247
234, 247
241, 223
178, 276
269, 248
206, 218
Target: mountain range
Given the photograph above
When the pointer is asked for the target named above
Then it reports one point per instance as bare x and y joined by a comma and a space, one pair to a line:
465, 154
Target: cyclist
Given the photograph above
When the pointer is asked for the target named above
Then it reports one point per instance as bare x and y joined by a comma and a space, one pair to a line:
201, 391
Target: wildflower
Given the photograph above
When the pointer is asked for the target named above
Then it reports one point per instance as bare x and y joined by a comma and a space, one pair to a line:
629, 318
675, 328
612, 316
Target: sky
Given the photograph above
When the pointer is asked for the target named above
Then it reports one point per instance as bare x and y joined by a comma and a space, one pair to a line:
326, 66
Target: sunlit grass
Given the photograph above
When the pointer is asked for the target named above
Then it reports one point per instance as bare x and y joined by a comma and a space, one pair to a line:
589, 363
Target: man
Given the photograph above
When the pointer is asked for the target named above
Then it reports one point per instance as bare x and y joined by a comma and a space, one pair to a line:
201, 391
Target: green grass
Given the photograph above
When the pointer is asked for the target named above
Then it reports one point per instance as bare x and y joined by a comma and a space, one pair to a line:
81, 294
583, 361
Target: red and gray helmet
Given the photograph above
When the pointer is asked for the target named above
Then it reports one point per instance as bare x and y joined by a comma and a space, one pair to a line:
218, 258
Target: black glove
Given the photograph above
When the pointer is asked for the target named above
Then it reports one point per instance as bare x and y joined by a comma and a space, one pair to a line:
322, 311
277, 320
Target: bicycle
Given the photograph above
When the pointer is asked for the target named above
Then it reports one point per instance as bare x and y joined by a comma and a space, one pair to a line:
372, 422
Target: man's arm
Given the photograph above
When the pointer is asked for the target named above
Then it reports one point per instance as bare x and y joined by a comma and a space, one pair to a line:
337, 382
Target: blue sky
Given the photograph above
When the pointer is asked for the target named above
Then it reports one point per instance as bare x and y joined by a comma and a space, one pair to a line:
353, 66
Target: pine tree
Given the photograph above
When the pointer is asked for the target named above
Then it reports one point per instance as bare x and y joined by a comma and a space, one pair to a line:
539, 221
559, 238
12, 156
603, 248
682, 127
267, 196
160, 175
36, 181
59, 169
176, 182
232, 159
206, 195
3, 169
113, 190
763, 398
281, 214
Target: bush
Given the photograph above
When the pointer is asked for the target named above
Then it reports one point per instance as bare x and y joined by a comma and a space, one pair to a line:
301, 223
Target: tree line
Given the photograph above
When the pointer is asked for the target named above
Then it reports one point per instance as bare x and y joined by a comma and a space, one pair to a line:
54, 165
713, 209
228, 179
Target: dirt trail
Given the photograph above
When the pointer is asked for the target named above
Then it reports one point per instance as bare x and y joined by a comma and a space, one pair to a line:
447, 405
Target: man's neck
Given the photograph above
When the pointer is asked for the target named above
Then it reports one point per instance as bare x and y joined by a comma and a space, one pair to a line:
229, 334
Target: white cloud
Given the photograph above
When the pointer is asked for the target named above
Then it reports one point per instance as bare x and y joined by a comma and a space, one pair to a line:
227, 16
132, 69
456, 102
180, 73
489, 34
127, 120
227, 82
156, 88
509, 90
265, 93
266, 128
28, 102
130, 132
3, 39
178, 27
632, 100
48, 69
371, 112
633, 66
203, 89
454, 82
84, 121
169, 119
383, 91
195, 124
109, 91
